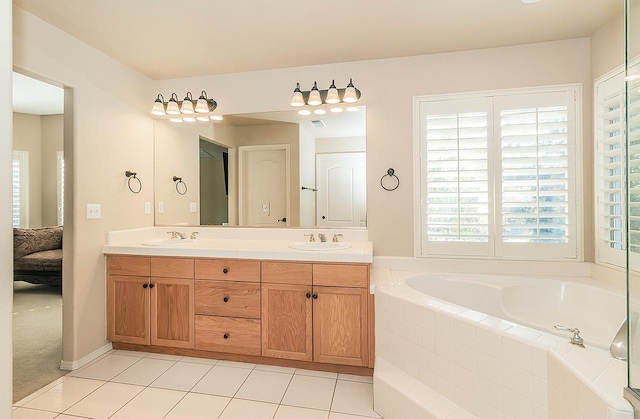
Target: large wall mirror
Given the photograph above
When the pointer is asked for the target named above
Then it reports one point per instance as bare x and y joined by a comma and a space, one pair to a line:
271, 169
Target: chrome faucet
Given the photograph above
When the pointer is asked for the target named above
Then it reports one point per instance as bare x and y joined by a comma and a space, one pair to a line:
193, 235
176, 234
335, 237
311, 238
322, 237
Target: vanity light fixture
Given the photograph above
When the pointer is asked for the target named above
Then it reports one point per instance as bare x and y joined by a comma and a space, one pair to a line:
332, 96
203, 107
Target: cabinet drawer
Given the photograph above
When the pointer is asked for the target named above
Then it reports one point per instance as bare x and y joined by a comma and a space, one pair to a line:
228, 270
228, 334
129, 265
226, 298
167, 267
287, 273
341, 275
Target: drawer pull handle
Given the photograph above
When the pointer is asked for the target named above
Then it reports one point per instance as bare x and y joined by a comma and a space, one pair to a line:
145, 285
226, 336
315, 296
151, 285
308, 295
225, 299
225, 270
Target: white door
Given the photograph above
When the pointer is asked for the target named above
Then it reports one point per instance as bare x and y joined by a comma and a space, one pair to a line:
264, 186
342, 190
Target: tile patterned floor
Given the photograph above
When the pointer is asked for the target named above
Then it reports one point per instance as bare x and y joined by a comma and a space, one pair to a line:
125, 384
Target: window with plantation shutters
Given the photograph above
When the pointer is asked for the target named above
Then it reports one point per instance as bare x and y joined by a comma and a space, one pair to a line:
60, 188
19, 173
609, 109
633, 145
497, 174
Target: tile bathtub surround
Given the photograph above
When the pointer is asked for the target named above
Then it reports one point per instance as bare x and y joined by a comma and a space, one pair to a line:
485, 366
123, 384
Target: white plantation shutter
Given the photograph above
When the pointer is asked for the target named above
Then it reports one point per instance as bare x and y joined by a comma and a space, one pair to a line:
610, 170
537, 195
497, 174
20, 194
60, 188
455, 163
633, 144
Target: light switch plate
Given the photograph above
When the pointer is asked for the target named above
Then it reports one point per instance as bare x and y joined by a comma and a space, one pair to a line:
147, 208
160, 207
93, 211
193, 207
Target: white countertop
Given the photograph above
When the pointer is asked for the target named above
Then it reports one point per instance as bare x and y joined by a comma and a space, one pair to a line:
241, 244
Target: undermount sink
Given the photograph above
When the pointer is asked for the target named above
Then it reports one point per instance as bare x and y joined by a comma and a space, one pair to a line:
319, 246
170, 242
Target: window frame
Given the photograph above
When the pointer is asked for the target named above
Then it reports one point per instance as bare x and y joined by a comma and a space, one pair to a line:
576, 154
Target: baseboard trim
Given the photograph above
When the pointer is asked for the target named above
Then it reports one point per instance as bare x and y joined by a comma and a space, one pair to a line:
74, 365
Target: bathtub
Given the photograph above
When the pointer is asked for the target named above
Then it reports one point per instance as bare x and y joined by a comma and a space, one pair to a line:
463, 345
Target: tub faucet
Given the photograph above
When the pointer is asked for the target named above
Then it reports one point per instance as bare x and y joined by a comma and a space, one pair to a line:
322, 237
576, 339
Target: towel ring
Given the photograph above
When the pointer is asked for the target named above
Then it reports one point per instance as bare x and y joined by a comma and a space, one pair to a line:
179, 182
132, 175
391, 174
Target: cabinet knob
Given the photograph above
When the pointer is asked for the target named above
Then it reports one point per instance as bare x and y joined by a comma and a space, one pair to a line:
315, 296
225, 299
225, 270
308, 295
145, 285
151, 285
226, 336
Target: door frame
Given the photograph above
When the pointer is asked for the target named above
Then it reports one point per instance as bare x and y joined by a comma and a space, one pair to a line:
242, 156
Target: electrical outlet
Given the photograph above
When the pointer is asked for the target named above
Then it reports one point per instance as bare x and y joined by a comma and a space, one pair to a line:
160, 207
93, 211
147, 208
265, 207
193, 207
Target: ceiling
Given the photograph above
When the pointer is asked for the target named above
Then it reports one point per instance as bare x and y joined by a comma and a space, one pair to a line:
166, 39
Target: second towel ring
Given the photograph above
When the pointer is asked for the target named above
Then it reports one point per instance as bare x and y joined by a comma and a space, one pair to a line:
391, 174
179, 182
132, 175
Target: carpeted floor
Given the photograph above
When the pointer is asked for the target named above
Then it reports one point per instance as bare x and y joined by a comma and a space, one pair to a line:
37, 337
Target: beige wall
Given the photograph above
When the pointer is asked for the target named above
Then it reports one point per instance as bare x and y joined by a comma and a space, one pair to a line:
307, 178
6, 235
52, 140
107, 131
341, 145
27, 136
390, 111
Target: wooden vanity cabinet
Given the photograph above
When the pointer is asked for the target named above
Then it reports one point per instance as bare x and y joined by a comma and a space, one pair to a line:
150, 301
315, 312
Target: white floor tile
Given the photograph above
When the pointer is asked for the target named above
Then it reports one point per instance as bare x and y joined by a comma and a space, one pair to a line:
108, 367
24, 413
181, 376
312, 373
105, 401
199, 406
71, 417
264, 386
64, 395
165, 357
245, 409
311, 392
358, 378
291, 412
195, 360
151, 403
336, 415
354, 398
222, 381
41, 391
275, 368
236, 364
139, 354
143, 372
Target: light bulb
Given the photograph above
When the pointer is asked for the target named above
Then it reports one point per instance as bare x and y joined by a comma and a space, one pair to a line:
350, 95
332, 94
202, 106
297, 99
172, 105
158, 107
314, 96
187, 104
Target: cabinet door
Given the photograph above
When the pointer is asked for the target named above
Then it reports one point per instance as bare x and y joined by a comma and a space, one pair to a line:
128, 309
172, 312
340, 326
287, 321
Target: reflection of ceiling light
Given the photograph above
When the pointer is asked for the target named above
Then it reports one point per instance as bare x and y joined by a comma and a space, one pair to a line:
188, 106
333, 95
336, 110
304, 112
530, 1
189, 119
216, 117
202, 118
175, 120
319, 111
352, 109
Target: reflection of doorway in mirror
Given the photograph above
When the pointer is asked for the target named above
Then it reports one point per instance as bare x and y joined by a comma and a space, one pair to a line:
342, 200
214, 184
264, 186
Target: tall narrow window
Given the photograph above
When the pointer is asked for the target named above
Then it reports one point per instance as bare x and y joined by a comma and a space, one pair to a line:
20, 180
497, 174
633, 150
60, 189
